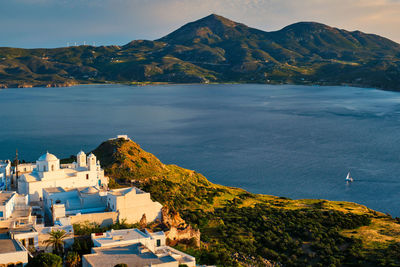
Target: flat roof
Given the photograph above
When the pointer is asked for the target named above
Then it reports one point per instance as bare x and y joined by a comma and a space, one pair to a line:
5, 196
61, 174
92, 199
54, 189
124, 234
82, 190
8, 245
129, 254
126, 190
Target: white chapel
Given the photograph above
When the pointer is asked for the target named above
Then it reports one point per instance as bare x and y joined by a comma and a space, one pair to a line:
49, 173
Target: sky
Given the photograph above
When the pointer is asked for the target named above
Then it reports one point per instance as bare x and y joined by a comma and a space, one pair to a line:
56, 23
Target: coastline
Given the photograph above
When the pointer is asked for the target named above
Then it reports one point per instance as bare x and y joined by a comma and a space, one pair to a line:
147, 83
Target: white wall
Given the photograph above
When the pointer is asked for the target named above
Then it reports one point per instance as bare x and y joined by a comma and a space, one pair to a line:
59, 179
8, 208
26, 236
26, 167
132, 207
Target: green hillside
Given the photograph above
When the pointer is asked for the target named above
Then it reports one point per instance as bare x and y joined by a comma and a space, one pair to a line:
239, 228
216, 49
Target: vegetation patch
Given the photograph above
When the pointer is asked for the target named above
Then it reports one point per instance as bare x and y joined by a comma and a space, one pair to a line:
239, 228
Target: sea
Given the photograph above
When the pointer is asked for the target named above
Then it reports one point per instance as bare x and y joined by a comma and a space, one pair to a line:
284, 140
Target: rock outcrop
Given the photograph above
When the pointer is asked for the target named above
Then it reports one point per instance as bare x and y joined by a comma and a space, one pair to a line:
179, 230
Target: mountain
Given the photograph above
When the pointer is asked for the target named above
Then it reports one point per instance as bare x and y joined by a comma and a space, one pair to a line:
238, 228
216, 49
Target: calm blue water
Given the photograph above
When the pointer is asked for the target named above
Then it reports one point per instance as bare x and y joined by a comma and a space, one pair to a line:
293, 141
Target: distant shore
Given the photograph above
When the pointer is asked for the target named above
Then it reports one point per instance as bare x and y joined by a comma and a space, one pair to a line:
146, 83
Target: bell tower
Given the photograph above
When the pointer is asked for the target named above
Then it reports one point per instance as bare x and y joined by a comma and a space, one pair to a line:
81, 159
91, 160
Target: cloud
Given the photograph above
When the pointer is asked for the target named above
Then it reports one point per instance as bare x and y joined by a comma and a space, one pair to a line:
51, 23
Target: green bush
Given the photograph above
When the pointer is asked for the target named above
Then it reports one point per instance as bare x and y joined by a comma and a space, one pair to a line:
45, 260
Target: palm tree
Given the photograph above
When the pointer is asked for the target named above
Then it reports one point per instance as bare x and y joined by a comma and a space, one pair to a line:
72, 259
56, 240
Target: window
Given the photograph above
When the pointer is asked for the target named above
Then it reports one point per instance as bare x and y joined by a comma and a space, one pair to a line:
158, 242
87, 176
44, 168
23, 242
1, 214
52, 167
31, 242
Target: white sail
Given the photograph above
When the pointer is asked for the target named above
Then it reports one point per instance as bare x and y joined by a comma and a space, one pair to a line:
348, 178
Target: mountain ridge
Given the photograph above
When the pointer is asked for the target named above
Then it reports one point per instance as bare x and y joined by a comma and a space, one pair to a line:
216, 49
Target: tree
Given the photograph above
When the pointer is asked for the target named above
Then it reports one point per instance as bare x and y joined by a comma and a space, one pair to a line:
45, 260
73, 259
56, 240
82, 245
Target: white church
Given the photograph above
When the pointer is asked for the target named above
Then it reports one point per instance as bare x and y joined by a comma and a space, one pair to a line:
48, 172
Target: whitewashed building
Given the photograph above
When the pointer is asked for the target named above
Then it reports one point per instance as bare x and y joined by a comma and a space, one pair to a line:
62, 203
10, 203
12, 252
132, 203
7, 204
48, 173
134, 248
27, 235
100, 206
14, 210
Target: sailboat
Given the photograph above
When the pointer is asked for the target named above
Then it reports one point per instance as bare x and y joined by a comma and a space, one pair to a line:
349, 178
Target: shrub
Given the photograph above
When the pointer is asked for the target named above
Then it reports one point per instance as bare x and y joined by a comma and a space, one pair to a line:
45, 260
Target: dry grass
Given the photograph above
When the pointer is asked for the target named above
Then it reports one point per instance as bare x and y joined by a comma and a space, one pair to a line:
379, 234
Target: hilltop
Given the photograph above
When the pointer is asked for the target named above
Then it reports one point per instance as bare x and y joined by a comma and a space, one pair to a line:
216, 49
239, 228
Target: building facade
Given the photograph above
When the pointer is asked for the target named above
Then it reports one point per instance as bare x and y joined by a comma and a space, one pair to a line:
48, 173
7, 204
100, 206
27, 236
132, 203
12, 252
134, 248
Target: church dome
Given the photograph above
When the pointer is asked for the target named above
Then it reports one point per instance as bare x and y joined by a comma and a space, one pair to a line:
47, 157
